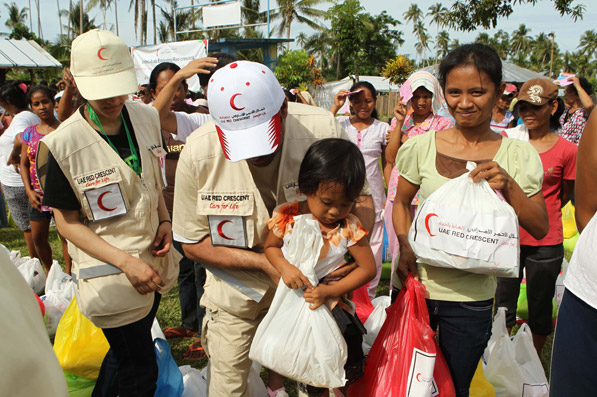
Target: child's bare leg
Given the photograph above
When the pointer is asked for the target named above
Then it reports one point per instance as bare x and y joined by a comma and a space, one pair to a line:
275, 382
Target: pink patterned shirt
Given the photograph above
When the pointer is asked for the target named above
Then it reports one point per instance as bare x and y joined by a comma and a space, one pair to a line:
432, 122
31, 138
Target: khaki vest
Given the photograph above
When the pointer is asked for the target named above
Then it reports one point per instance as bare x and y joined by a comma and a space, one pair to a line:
237, 291
104, 293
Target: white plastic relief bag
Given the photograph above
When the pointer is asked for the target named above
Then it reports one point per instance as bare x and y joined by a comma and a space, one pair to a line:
375, 321
302, 344
511, 364
34, 274
467, 226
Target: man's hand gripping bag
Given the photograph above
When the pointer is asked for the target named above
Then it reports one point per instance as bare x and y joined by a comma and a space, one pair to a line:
467, 226
293, 340
405, 360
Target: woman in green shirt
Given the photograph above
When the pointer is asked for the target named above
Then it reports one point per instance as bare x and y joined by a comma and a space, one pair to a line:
460, 303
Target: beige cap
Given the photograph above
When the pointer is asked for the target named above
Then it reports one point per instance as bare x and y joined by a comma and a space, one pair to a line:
102, 66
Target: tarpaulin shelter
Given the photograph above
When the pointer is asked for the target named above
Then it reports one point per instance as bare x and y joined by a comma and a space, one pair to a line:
510, 73
24, 54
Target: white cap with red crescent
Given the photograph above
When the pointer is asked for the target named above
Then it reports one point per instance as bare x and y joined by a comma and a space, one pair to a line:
244, 101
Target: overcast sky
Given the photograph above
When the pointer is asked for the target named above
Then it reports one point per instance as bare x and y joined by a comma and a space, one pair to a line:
539, 18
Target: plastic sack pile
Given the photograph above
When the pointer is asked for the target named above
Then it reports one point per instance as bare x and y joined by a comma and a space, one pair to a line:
291, 329
57, 286
195, 382
467, 226
405, 360
32, 271
59, 293
511, 364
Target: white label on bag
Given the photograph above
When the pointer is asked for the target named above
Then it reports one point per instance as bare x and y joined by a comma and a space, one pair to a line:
467, 234
534, 389
227, 230
420, 375
106, 201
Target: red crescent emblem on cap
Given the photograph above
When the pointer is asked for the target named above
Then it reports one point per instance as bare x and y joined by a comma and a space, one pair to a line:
221, 232
232, 105
99, 54
101, 204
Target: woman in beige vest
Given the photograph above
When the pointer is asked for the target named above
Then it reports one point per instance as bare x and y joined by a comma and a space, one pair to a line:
101, 172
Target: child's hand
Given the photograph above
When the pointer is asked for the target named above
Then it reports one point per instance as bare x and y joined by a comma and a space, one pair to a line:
316, 296
294, 278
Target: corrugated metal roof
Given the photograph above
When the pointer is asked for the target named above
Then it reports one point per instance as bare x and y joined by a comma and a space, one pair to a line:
25, 54
510, 73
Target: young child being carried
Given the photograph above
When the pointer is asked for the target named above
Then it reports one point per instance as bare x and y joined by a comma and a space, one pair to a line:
332, 175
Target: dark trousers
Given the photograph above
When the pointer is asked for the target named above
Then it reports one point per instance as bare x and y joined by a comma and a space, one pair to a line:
3, 214
542, 266
130, 367
464, 329
574, 349
191, 279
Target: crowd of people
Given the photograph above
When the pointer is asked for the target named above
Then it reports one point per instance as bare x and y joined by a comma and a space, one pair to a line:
225, 179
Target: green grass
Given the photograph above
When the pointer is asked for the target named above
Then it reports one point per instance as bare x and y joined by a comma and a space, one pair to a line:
169, 312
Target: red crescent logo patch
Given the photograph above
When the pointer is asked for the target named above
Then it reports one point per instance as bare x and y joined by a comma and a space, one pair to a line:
101, 204
221, 232
99, 54
232, 104
427, 218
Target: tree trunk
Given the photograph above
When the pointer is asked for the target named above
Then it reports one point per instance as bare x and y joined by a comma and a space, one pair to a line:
80, 16
116, 15
155, 28
30, 18
40, 32
70, 11
59, 17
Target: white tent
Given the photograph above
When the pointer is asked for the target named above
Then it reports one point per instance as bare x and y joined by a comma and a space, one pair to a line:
25, 54
324, 95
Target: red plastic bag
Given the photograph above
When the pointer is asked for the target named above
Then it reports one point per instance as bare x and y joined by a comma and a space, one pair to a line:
405, 359
362, 303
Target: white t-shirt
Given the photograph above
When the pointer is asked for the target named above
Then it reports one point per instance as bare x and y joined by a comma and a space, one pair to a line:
371, 143
581, 276
186, 123
8, 175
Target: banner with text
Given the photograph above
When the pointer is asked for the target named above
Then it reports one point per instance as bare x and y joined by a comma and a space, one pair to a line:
181, 53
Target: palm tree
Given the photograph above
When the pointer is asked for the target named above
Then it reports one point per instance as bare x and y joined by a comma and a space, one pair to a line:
442, 42
15, 16
588, 43
541, 53
104, 5
140, 14
438, 14
301, 10
75, 20
520, 39
423, 40
413, 14
184, 20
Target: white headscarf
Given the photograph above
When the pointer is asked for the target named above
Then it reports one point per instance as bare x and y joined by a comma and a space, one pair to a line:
430, 83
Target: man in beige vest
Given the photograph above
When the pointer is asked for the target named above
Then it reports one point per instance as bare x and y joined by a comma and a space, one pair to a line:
231, 174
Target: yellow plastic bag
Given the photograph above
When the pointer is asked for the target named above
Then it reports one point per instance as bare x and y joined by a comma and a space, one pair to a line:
480, 387
79, 345
568, 220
